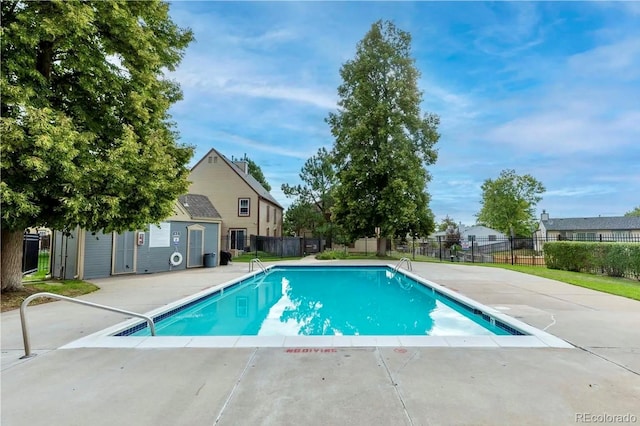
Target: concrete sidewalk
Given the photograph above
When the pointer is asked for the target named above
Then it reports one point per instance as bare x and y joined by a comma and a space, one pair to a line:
359, 386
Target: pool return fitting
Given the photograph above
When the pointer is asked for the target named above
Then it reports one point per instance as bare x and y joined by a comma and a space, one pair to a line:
25, 303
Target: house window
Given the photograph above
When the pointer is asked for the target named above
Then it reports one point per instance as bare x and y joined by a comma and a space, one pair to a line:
268, 209
275, 232
471, 237
275, 212
621, 235
493, 237
243, 206
267, 234
585, 236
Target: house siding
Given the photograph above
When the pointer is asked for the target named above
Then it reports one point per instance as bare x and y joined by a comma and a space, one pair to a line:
156, 259
270, 224
224, 185
98, 249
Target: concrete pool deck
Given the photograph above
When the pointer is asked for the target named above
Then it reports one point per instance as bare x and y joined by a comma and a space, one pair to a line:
598, 379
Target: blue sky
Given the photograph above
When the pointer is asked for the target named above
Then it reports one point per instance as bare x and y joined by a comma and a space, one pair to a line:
548, 89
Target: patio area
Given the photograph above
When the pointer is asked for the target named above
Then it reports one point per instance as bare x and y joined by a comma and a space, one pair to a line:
600, 376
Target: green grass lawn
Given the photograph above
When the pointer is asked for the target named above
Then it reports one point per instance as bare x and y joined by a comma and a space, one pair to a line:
618, 286
264, 257
69, 288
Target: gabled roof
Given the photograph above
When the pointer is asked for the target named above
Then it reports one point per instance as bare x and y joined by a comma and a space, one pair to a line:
198, 206
250, 180
616, 223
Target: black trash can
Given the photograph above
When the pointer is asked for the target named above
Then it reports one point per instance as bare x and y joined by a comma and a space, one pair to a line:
225, 257
209, 260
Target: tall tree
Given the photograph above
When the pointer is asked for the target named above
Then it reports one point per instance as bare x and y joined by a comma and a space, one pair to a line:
634, 212
300, 217
508, 203
87, 138
256, 172
447, 223
319, 179
382, 142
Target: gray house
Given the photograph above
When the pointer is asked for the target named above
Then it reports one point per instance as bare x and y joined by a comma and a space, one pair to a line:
612, 228
180, 242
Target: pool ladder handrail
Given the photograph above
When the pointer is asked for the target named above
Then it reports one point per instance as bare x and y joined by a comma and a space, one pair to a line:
25, 303
408, 262
259, 263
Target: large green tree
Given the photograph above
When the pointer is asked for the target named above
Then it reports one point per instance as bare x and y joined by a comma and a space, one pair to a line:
508, 203
318, 181
301, 217
86, 135
382, 141
634, 212
256, 172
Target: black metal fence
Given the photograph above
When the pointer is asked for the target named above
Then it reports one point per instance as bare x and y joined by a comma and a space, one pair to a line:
273, 246
515, 251
30, 250
35, 254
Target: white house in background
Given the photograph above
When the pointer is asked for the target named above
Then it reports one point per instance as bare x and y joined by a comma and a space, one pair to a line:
482, 235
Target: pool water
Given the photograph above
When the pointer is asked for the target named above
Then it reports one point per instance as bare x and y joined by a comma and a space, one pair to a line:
316, 301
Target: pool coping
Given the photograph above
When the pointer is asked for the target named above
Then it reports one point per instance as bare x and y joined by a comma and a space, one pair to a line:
533, 338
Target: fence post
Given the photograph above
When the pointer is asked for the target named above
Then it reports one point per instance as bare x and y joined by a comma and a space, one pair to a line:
511, 248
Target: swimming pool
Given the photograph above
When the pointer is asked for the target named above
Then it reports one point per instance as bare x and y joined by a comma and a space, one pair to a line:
309, 306
321, 301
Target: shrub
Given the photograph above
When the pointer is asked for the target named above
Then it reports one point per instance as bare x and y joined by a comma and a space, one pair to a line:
612, 259
332, 254
634, 260
569, 255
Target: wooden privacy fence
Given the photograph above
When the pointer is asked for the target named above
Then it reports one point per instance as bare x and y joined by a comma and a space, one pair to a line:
519, 260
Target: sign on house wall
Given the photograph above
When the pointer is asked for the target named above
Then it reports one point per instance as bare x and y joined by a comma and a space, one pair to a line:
160, 236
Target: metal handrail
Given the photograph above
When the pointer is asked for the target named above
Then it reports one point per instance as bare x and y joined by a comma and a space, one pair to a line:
404, 259
259, 263
25, 303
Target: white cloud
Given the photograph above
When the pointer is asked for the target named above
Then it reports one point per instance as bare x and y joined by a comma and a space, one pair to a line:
306, 95
568, 131
511, 33
580, 191
620, 60
261, 146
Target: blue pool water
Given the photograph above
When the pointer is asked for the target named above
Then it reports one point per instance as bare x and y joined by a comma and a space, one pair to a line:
312, 301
